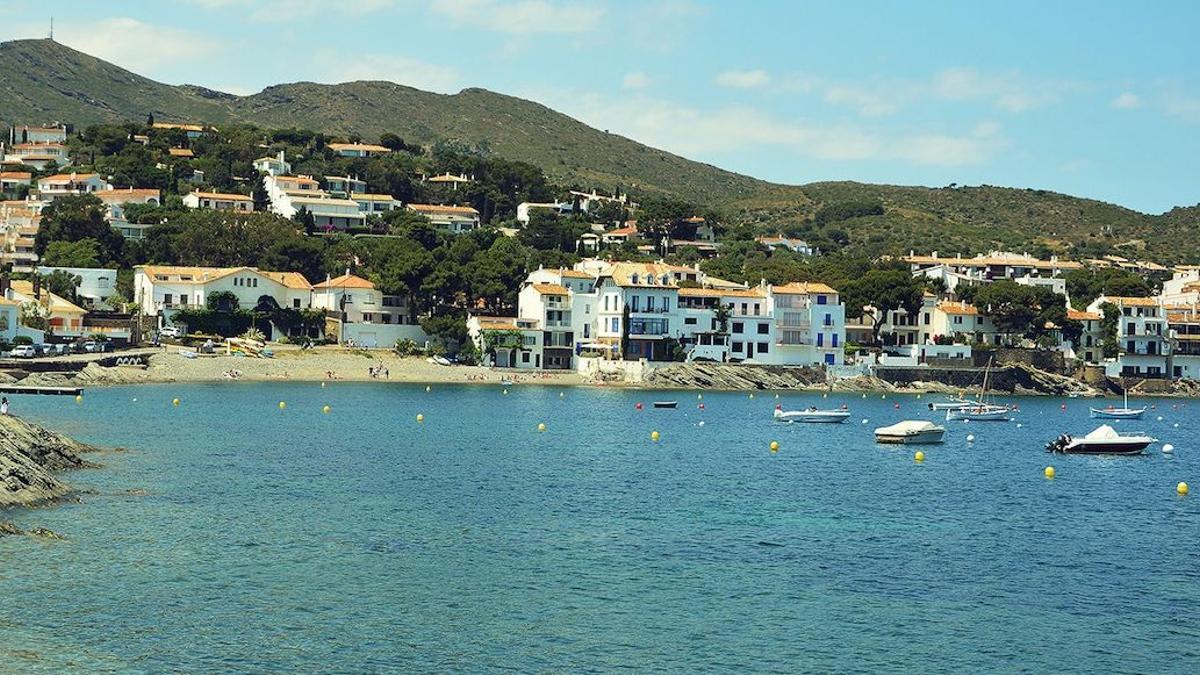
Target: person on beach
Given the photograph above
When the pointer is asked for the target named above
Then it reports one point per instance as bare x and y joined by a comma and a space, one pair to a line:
4, 406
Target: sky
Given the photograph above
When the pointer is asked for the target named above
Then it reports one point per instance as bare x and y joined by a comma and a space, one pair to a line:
1096, 99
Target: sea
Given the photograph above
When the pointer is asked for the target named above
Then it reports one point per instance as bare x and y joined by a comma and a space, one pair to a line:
230, 534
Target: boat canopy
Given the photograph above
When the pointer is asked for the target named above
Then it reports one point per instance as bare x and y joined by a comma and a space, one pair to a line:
908, 427
1103, 433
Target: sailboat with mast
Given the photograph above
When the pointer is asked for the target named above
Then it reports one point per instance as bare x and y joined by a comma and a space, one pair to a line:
982, 409
1122, 413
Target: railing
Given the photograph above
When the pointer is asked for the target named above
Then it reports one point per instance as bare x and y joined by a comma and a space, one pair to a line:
558, 324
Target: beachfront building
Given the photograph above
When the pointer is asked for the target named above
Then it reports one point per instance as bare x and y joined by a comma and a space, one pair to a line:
964, 323
1091, 338
563, 303
1142, 336
10, 318
162, 290
507, 341
636, 311
810, 324
218, 201
1183, 326
96, 284
992, 266
64, 319
357, 149
360, 314
456, 219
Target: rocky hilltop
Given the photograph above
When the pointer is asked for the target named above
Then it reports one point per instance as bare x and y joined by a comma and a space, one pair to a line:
29, 457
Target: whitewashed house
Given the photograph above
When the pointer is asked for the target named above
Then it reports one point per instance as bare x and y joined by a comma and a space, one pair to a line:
456, 219
358, 149
1142, 336
810, 325
273, 166
358, 313
161, 290
96, 284
219, 201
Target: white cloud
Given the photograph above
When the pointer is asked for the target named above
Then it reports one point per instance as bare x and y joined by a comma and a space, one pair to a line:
1007, 91
283, 11
136, 45
867, 102
696, 132
743, 79
399, 69
523, 17
636, 80
1127, 100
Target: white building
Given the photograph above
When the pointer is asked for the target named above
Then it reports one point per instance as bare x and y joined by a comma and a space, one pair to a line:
359, 313
290, 194
162, 290
219, 201
63, 184
96, 284
810, 324
557, 208
344, 186
994, 266
273, 166
374, 204
115, 201
357, 149
778, 241
456, 219
12, 181
38, 155
1142, 336
28, 134
636, 310
63, 317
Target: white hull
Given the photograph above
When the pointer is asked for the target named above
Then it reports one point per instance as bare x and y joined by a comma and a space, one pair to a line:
911, 432
1118, 413
950, 405
978, 414
813, 416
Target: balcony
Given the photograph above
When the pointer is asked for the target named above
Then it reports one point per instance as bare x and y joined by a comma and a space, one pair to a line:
649, 327
557, 324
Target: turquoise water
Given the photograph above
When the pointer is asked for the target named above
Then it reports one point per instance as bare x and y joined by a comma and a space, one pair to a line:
361, 541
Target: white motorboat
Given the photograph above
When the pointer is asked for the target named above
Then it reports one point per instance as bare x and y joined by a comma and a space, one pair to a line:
1122, 413
1104, 440
911, 432
812, 415
981, 412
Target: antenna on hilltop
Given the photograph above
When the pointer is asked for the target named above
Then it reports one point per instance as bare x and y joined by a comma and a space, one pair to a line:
51, 28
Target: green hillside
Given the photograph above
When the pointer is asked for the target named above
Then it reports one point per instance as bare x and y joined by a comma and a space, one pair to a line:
44, 81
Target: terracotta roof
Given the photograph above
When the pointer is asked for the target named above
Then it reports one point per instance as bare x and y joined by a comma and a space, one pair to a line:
57, 303
449, 178
622, 232
438, 208
180, 152
1131, 301
68, 177
289, 279
10, 303
987, 260
173, 125
1076, 315
346, 281
575, 274
296, 179
223, 196
368, 197
757, 293
367, 147
504, 323
15, 175
648, 275
960, 308
120, 196
802, 288
551, 289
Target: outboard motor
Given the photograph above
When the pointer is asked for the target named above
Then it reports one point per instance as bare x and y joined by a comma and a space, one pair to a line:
1059, 444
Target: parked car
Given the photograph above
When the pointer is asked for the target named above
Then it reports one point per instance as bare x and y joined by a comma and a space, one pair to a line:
23, 352
39, 350
170, 331
90, 346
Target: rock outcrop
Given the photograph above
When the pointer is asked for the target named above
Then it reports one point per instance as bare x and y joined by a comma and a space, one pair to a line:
735, 376
29, 454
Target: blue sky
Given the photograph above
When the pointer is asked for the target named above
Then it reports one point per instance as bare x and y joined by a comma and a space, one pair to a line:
1097, 99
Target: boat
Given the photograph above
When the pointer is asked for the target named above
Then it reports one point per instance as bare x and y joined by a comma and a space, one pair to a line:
951, 404
911, 432
1104, 440
981, 410
665, 404
812, 415
1122, 413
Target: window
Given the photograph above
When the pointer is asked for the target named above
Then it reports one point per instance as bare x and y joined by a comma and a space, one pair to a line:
616, 325
385, 318
764, 328
744, 312
829, 319
822, 300
820, 339
834, 340
166, 298
762, 347
690, 321
296, 303
524, 357
737, 347
737, 326
367, 317
634, 304
587, 331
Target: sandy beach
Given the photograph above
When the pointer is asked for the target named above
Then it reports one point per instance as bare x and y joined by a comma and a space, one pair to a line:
312, 365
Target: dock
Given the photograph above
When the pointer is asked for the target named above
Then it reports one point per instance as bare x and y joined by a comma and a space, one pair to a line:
43, 391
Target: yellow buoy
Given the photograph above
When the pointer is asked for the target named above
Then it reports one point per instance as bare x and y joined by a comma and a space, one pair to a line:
919, 457
541, 426
1182, 488
282, 405
420, 418
175, 401
79, 398
774, 446
1049, 472
654, 436
326, 409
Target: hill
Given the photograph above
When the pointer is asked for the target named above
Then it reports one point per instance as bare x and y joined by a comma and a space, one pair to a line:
47, 81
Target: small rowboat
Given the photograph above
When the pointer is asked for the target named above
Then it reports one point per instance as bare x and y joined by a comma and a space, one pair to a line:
665, 404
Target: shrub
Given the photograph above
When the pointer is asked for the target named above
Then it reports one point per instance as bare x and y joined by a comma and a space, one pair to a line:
406, 347
22, 340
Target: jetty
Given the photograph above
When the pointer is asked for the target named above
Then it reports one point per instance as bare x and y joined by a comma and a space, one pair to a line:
42, 391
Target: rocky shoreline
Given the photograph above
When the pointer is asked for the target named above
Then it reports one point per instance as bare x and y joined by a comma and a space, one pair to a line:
30, 456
